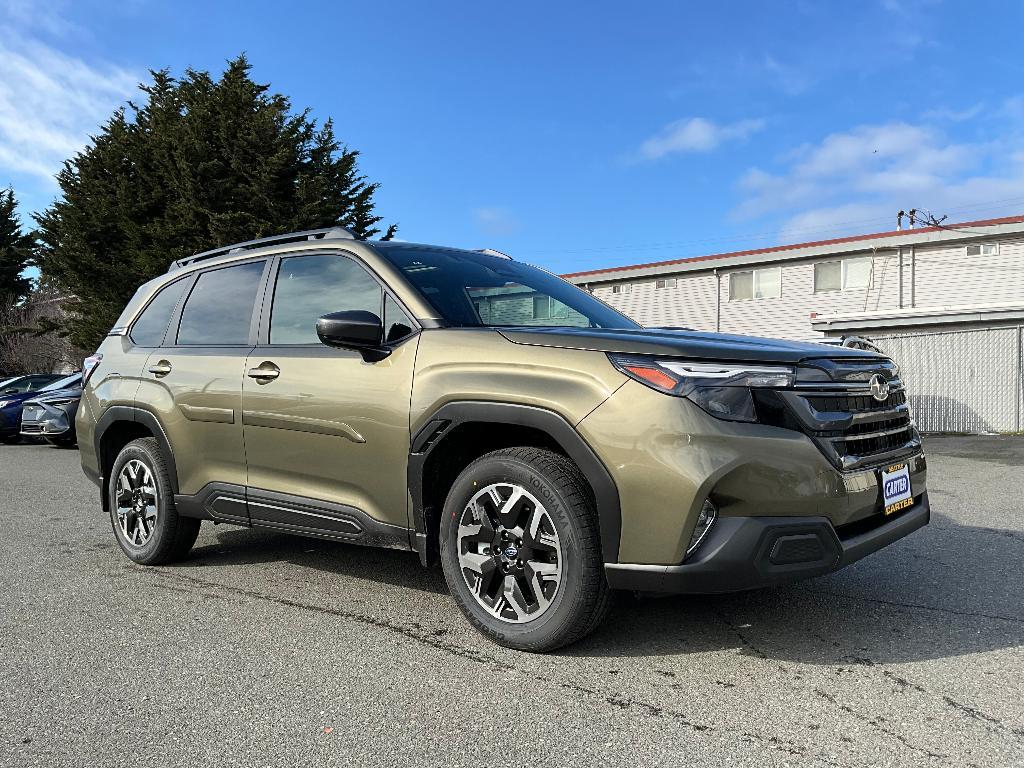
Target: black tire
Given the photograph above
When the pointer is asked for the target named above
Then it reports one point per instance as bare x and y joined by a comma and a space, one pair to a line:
581, 599
171, 536
10, 439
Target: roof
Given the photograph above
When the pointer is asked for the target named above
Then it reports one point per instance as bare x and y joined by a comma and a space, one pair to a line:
893, 239
1012, 313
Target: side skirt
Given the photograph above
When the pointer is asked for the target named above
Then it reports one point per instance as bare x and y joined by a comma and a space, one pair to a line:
258, 508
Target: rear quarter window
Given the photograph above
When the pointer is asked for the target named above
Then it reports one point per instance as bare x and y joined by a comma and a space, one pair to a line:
148, 330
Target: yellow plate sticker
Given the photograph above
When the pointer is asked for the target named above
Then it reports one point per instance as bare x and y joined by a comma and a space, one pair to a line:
896, 490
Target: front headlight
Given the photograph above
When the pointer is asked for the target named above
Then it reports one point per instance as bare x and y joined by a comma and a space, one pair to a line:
721, 389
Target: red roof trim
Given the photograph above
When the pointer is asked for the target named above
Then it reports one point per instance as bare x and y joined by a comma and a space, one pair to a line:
797, 246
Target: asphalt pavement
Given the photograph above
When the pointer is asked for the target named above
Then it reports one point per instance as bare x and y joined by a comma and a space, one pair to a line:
264, 649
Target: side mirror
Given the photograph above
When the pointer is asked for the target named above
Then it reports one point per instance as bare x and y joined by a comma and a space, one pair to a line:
355, 329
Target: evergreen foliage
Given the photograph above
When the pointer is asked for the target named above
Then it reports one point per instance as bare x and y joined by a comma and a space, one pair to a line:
197, 164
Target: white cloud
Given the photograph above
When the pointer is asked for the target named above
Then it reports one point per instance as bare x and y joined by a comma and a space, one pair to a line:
858, 179
791, 80
494, 220
696, 134
50, 103
48, 17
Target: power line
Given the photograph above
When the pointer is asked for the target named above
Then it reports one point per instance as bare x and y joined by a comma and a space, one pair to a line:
832, 228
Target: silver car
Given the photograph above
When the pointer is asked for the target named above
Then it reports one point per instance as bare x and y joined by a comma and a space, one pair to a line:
51, 415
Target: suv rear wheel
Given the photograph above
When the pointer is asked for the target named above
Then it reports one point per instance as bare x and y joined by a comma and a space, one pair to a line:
521, 551
146, 524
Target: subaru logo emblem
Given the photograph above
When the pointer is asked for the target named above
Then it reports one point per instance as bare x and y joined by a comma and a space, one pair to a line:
879, 387
511, 553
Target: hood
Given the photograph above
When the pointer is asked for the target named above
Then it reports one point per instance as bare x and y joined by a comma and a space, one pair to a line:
72, 393
696, 345
20, 397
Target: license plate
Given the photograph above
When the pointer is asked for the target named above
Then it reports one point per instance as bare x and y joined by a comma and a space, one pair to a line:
896, 491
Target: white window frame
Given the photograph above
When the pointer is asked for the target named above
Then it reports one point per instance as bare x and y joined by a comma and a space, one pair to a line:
993, 249
844, 274
665, 282
754, 279
622, 288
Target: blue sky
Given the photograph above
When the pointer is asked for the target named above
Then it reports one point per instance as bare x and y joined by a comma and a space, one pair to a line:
578, 135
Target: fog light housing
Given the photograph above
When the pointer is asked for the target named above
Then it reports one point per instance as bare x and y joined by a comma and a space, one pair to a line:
705, 521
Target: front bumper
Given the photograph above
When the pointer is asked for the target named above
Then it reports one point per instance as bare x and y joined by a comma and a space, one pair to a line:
39, 420
10, 422
750, 552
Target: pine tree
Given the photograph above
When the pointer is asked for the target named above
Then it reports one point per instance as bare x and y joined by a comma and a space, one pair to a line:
15, 251
199, 163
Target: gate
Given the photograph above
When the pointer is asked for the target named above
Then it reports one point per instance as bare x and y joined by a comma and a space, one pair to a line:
962, 381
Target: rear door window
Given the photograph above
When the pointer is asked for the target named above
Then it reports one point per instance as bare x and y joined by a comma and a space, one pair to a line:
218, 311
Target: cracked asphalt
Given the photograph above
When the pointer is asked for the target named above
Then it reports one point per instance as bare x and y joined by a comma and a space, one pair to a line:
269, 650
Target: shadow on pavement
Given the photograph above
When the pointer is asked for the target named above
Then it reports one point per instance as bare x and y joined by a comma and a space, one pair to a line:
247, 546
947, 590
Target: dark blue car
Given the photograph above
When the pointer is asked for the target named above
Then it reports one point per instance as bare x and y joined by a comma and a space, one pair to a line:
11, 405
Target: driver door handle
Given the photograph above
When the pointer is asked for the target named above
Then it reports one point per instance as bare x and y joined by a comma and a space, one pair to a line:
160, 369
265, 373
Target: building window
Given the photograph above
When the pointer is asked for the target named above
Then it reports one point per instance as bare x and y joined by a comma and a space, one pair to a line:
983, 249
541, 308
755, 284
669, 282
622, 288
845, 275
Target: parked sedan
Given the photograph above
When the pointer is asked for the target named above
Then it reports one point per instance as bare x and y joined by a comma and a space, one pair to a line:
51, 415
11, 405
29, 383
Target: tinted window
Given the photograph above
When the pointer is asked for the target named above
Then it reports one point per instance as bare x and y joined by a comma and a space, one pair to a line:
310, 286
148, 330
68, 382
397, 324
473, 289
219, 309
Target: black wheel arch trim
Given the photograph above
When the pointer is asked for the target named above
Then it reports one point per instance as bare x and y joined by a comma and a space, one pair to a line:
116, 414
453, 414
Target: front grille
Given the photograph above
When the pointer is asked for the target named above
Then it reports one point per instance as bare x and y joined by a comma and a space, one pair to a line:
856, 403
848, 424
870, 444
31, 428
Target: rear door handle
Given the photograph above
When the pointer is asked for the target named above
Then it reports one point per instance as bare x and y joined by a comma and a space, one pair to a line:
160, 369
265, 373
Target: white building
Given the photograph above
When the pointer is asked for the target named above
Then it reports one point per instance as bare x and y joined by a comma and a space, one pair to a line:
947, 303
779, 291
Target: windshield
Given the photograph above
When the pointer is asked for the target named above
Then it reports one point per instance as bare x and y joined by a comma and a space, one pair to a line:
469, 289
74, 379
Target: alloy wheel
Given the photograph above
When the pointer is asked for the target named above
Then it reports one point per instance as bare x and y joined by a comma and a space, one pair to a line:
509, 552
137, 503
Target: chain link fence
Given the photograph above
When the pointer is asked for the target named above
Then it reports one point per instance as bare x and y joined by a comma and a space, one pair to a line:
962, 381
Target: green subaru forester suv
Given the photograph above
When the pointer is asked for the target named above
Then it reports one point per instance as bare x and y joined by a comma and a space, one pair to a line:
544, 448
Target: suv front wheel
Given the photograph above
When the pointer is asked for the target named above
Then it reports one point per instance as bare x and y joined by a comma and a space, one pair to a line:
521, 551
146, 524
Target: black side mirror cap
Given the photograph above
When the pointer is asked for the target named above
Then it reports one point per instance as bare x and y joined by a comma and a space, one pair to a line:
354, 329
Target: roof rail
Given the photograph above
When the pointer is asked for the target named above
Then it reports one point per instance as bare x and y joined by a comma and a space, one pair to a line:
492, 252
330, 233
